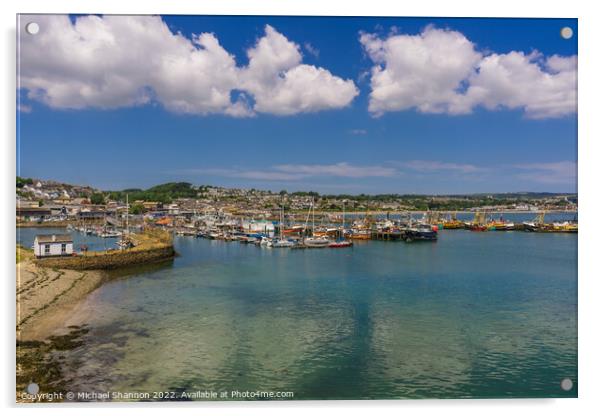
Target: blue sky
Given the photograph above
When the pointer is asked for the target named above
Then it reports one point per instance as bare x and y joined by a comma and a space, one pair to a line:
506, 123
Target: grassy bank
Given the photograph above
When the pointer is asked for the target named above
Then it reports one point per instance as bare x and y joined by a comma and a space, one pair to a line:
23, 254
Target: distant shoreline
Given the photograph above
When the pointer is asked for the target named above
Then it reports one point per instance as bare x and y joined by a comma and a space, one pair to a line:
48, 224
395, 212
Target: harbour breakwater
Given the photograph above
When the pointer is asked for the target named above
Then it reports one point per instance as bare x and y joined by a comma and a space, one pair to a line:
108, 260
149, 247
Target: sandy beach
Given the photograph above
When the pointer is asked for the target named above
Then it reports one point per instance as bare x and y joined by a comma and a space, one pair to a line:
47, 297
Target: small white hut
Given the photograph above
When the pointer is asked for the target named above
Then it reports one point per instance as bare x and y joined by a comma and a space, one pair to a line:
53, 245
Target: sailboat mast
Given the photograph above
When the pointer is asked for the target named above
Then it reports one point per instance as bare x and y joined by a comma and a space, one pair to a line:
343, 229
127, 214
313, 217
307, 220
281, 221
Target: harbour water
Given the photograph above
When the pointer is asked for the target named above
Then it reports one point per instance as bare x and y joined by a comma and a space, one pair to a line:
25, 237
489, 314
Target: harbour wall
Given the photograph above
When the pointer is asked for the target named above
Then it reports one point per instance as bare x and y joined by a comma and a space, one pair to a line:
108, 260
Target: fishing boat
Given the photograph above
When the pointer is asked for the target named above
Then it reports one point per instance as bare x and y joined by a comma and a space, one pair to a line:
452, 223
341, 242
432, 218
420, 232
478, 222
538, 224
530, 226
385, 225
565, 227
500, 225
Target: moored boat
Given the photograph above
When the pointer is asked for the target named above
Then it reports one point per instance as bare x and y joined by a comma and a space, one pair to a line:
340, 244
565, 227
453, 225
478, 222
110, 234
538, 224
360, 235
420, 232
281, 243
500, 226
316, 242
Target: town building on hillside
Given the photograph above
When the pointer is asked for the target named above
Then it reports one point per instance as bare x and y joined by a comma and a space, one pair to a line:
91, 214
152, 205
33, 213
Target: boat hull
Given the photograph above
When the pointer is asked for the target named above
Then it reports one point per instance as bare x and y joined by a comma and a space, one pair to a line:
340, 244
420, 235
316, 243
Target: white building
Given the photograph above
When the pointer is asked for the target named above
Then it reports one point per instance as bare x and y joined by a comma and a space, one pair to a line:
253, 226
53, 245
173, 209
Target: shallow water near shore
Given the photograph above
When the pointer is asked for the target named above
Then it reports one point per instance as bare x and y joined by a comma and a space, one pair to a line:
473, 315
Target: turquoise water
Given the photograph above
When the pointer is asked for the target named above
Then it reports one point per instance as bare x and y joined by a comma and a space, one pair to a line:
473, 315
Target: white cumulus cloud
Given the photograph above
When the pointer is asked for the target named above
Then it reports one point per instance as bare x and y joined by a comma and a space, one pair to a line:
441, 71
281, 84
120, 61
515, 80
422, 71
